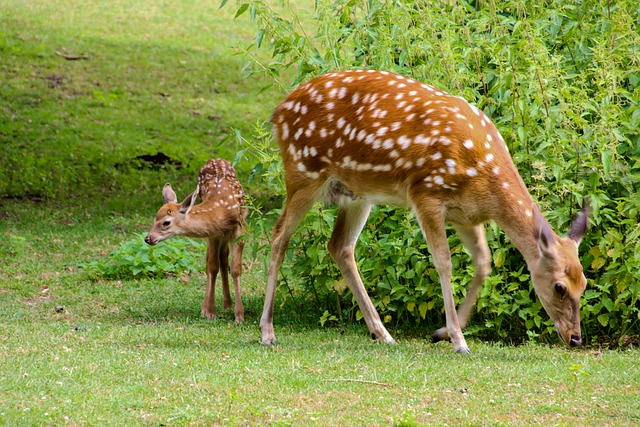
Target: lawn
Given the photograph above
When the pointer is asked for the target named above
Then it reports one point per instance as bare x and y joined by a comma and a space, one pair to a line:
79, 350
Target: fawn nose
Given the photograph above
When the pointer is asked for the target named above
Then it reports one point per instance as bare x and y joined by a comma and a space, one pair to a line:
148, 240
575, 341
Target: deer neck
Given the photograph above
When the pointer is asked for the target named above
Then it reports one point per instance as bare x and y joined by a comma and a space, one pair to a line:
516, 217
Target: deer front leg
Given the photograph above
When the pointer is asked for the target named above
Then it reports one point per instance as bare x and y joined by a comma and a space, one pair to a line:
223, 254
213, 265
296, 208
351, 219
432, 222
474, 238
236, 272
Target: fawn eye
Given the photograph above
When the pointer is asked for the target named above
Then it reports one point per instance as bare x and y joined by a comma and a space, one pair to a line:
560, 289
166, 223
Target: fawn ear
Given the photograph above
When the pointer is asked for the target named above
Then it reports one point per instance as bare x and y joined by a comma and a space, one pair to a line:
189, 201
168, 195
544, 235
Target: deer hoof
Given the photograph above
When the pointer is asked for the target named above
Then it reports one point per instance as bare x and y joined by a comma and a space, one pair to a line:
463, 350
208, 316
440, 335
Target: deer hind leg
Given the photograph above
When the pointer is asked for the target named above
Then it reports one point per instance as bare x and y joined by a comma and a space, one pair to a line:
432, 221
298, 204
351, 218
223, 253
475, 240
213, 266
236, 272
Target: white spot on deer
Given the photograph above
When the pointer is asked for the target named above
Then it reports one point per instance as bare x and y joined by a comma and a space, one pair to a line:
329, 105
388, 144
401, 104
361, 135
302, 167
285, 130
489, 138
340, 123
399, 96
401, 85
382, 131
342, 92
370, 138
328, 84
348, 79
438, 180
393, 154
408, 165
505, 185
399, 162
528, 213
410, 117
489, 158
355, 98
472, 172
395, 126
420, 162
339, 143
382, 168
404, 142
298, 133
437, 156
391, 82
303, 109
323, 133
305, 152
496, 171
468, 144
288, 105
312, 175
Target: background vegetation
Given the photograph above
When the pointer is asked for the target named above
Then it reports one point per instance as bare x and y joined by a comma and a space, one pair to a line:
96, 328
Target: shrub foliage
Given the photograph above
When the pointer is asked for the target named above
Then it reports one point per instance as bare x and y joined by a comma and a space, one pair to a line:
561, 80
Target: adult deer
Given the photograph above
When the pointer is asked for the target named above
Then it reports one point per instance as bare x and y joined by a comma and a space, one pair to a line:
220, 218
359, 138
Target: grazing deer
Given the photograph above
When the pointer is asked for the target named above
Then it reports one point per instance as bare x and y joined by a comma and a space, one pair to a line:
359, 138
220, 218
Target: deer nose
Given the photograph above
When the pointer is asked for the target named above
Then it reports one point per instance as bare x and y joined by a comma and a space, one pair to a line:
575, 341
148, 240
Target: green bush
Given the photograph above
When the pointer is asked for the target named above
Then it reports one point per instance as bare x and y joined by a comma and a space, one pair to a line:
136, 259
561, 80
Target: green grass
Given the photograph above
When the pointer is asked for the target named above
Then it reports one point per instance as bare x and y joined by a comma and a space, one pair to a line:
82, 351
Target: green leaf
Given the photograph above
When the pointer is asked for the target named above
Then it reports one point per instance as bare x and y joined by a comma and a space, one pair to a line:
242, 9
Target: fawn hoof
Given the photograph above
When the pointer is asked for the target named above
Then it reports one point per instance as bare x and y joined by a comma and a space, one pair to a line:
208, 315
239, 319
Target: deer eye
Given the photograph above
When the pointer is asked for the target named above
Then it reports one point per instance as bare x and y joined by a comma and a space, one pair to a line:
166, 223
560, 289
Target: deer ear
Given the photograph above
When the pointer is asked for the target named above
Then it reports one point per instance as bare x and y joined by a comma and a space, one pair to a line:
188, 202
580, 224
544, 235
168, 195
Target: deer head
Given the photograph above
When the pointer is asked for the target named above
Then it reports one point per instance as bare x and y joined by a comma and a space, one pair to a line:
170, 218
557, 275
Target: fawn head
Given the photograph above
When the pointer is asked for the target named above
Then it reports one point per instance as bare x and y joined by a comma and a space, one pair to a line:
169, 219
